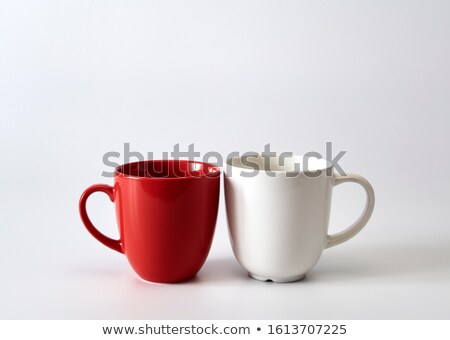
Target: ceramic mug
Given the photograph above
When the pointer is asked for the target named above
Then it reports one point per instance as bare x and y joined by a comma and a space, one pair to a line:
166, 213
278, 211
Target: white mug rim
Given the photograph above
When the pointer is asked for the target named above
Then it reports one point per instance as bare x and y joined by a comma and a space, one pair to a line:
320, 164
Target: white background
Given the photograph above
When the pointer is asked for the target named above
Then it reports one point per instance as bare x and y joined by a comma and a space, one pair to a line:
81, 78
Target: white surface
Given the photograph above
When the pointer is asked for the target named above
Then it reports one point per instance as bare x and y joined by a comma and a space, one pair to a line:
80, 78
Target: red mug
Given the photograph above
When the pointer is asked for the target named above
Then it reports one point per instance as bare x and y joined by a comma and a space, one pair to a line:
166, 213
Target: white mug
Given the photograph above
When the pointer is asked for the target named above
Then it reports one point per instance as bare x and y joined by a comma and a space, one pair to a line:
278, 210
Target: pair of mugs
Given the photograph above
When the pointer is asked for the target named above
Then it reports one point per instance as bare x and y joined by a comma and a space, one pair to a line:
277, 215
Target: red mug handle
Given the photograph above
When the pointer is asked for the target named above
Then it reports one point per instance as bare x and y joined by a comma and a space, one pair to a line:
109, 242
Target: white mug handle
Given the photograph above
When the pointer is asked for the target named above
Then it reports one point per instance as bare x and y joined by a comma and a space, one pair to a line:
345, 235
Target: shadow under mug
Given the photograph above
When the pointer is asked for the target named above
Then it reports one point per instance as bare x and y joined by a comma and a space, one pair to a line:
278, 213
166, 213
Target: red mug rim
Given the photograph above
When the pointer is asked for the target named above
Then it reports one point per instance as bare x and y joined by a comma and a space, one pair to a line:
186, 169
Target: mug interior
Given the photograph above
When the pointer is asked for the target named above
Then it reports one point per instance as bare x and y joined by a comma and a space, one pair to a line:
171, 169
279, 163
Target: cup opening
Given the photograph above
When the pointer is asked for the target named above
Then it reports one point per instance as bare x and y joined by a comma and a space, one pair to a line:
294, 164
168, 169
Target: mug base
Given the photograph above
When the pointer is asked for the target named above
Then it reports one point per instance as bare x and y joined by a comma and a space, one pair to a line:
278, 280
167, 282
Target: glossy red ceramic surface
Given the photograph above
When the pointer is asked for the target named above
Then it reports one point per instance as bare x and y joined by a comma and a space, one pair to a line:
166, 212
